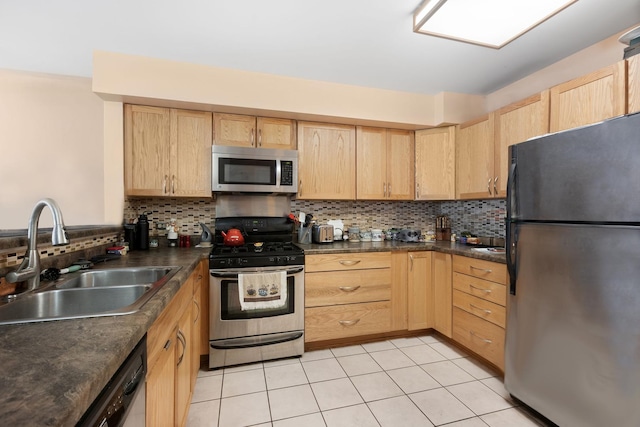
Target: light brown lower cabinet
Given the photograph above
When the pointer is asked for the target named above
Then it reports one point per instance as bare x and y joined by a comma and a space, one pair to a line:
172, 346
420, 291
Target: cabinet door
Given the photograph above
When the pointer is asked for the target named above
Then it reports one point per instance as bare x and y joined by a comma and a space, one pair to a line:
513, 124
399, 269
327, 160
633, 84
589, 99
204, 307
442, 292
371, 163
419, 291
196, 315
190, 153
146, 150
160, 388
183, 368
234, 129
400, 164
276, 133
436, 164
474, 159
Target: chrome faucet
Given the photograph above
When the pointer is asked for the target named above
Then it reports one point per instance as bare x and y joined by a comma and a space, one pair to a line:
29, 270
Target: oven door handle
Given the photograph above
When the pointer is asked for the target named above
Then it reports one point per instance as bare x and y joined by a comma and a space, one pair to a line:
234, 273
257, 341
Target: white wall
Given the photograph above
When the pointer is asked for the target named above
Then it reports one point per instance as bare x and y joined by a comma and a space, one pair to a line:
51, 145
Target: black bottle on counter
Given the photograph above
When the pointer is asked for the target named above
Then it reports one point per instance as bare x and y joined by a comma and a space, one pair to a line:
131, 236
142, 231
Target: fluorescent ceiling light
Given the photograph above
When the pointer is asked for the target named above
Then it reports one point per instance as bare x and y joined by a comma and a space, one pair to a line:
491, 23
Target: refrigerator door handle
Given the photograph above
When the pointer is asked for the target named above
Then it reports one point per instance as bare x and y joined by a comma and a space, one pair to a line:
511, 234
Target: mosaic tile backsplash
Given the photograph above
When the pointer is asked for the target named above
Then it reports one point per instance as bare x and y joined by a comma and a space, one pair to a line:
480, 217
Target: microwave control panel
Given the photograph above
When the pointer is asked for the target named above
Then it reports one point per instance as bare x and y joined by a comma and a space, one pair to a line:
287, 172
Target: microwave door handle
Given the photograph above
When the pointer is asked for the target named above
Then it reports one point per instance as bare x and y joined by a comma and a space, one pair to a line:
278, 172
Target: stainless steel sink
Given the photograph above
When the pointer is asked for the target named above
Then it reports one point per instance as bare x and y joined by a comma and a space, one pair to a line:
96, 293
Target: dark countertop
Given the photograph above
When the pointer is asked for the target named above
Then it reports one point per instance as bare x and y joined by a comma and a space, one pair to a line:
51, 372
393, 245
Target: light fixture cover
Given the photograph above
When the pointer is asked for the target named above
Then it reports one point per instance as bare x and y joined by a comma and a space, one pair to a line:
491, 23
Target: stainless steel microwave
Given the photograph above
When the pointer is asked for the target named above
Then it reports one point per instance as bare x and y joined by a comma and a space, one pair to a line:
253, 170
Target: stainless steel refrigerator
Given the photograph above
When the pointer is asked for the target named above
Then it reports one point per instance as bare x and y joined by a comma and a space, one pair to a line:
572, 349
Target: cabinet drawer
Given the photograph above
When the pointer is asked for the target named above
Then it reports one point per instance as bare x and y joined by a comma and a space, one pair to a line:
494, 313
480, 268
351, 261
345, 287
484, 289
349, 320
479, 336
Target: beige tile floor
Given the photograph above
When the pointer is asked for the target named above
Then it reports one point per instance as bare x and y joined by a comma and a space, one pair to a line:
404, 382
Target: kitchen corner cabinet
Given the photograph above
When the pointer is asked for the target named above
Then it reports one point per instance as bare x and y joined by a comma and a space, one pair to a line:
475, 178
479, 301
589, 99
435, 164
385, 164
249, 131
326, 161
513, 124
633, 84
347, 295
167, 152
170, 356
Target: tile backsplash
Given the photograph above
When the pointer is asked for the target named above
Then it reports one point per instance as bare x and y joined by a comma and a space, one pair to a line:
481, 217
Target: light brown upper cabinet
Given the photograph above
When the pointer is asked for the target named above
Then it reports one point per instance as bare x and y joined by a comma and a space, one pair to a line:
513, 124
167, 152
633, 84
250, 131
589, 99
384, 164
326, 161
436, 164
474, 159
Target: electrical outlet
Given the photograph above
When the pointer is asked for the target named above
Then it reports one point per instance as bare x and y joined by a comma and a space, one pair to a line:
161, 225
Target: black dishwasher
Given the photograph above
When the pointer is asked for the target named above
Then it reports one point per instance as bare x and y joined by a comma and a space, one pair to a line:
122, 401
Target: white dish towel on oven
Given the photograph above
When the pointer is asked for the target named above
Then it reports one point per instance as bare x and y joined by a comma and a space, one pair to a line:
259, 291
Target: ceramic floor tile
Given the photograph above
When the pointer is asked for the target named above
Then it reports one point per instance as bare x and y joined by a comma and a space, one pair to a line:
471, 422
209, 372
312, 420
204, 414
392, 359
478, 397
440, 406
447, 373
323, 370
359, 364
475, 368
242, 368
263, 425
378, 346
376, 386
423, 353
244, 410
207, 388
285, 376
496, 384
352, 416
429, 339
448, 350
336, 394
511, 417
349, 350
292, 402
398, 411
243, 382
281, 362
406, 342
413, 379
316, 355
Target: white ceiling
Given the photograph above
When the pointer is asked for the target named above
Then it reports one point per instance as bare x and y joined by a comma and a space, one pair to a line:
357, 42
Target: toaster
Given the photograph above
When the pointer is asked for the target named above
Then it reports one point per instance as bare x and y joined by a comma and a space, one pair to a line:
322, 233
409, 235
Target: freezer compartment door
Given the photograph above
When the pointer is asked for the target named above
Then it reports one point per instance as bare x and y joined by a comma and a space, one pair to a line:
572, 347
588, 174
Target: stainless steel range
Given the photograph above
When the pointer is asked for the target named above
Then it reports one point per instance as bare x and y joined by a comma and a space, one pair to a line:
256, 292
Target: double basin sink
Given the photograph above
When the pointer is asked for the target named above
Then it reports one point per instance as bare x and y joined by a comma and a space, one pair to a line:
93, 293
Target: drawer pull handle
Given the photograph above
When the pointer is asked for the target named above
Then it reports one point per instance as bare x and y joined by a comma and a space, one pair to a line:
488, 291
167, 345
481, 269
349, 262
473, 334
349, 288
480, 308
348, 322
